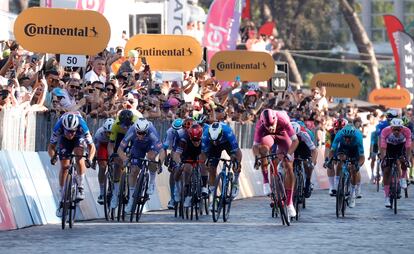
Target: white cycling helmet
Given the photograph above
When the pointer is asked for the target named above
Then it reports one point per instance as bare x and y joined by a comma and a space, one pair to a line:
397, 122
70, 121
215, 131
296, 127
108, 124
141, 125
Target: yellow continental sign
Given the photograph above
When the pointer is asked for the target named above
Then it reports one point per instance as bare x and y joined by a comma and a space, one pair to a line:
249, 65
337, 84
62, 31
167, 52
390, 97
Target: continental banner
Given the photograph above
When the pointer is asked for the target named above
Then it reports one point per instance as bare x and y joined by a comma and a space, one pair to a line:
249, 65
167, 52
390, 97
62, 31
337, 84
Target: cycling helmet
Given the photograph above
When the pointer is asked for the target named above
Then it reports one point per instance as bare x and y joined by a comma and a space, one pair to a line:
200, 118
108, 124
141, 125
348, 130
406, 120
125, 117
340, 123
195, 132
396, 122
268, 119
187, 123
391, 113
296, 127
215, 131
177, 124
70, 121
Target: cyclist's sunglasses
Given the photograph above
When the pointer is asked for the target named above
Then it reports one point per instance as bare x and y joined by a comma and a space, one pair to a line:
396, 128
141, 133
196, 140
70, 131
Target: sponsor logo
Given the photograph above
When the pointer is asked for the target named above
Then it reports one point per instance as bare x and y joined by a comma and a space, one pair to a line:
33, 29
320, 84
222, 66
164, 52
389, 98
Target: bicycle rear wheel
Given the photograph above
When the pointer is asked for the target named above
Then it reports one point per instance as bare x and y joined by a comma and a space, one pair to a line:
217, 197
66, 200
228, 198
378, 177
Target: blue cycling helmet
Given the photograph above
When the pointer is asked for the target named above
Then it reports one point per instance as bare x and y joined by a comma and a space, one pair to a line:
177, 124
348, 130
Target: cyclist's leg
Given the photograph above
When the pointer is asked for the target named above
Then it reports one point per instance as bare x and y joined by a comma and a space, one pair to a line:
102, 156
187, 193
308, 172
268, 144
153, 168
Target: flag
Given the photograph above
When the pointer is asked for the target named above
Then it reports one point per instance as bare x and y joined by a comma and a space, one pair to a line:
405, 46
393, 25
93, 5
222, 26
246, 10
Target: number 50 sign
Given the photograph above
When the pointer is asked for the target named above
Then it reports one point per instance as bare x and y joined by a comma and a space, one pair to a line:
73, 60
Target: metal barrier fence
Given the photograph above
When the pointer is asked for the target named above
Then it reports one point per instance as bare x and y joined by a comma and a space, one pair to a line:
30, 131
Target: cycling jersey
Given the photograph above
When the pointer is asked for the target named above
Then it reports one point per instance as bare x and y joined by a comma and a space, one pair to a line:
380, 126
283, 136
82, 131
140, 147
101, 140
374, 142
305, 145
118, 132
227, 139
187, 149
170, 139
353, 150
311, 133
389, 137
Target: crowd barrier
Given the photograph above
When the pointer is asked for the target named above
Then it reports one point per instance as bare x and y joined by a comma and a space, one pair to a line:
29, 188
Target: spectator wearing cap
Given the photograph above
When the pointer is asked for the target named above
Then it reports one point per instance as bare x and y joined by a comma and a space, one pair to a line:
98, 71
68, 102
128, 66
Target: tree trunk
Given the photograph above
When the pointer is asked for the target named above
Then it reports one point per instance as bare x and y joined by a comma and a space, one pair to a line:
361, 40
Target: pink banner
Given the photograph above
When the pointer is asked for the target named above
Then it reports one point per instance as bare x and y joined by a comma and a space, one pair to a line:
222, 26
393, 26
6, 214
48, 3
93, 5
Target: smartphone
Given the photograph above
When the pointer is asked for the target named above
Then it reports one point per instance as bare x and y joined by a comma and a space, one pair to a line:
13, 74
213, 73
34, 58
144, 60
111, 50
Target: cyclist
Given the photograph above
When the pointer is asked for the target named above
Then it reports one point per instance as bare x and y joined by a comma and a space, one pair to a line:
71, 132
169, 143
373, 152
274, 131
329, 138
123, 122
395, 142
348, 142
306, 150
101, 140
217, 138
390, 114
145, 142
189, 149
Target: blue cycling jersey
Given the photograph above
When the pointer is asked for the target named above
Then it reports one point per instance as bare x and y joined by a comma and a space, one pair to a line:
170, 139
227, 137
380, 126
82, 131
311, 134
151, 140
355, 142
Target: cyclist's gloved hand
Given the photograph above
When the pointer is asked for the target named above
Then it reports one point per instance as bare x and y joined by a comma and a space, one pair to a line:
113, 156
53, 160
327, 163
88, 163
290, 157
94, 163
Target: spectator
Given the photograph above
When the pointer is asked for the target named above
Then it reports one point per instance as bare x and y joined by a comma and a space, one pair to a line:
98, 71
128, 66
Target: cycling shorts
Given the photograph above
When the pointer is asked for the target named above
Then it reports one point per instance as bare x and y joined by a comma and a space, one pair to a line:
395, 151
215, 152
66, 146
278, 143
140, 151
351, 152
102, 152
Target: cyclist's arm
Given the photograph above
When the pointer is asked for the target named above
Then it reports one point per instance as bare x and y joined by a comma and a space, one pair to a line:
407, 134
383, 141
92, 151
51, 150
335, 143
294, 145
124, 143
359, 138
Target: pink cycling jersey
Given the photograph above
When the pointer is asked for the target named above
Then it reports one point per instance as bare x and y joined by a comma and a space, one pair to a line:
283, 136
389, 137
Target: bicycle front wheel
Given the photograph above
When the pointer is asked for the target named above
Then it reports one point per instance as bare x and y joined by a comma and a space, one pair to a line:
394, 189
107, 196
228, 187
340, 196
298, 195
281, 201
142, 197
121, 198
217, 197
66, 199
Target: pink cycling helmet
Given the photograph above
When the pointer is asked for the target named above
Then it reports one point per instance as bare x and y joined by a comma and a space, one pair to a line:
268, 119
